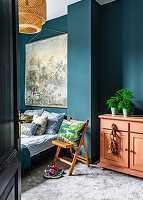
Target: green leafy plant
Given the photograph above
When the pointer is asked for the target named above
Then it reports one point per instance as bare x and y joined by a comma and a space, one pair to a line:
112, 102
124, 94
125, 104
125, 97
121, 99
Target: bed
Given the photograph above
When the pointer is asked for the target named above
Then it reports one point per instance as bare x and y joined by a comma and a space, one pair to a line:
37, 144
34, 144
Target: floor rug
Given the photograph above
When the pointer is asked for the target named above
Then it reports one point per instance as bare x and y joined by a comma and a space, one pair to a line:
85, 184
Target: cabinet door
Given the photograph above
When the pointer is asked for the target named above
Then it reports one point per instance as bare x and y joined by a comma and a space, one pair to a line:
121, 159
136, 151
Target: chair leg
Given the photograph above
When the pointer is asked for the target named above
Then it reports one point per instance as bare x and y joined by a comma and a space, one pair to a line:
56, 155
73, 162
71, 152
86, 153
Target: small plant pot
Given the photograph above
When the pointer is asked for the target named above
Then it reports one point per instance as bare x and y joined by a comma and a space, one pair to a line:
114, 111
126, 113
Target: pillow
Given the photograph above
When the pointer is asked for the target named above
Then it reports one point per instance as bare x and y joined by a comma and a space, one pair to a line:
42, 121
34, 112
54, 122
71, 132
26, 118
29, 129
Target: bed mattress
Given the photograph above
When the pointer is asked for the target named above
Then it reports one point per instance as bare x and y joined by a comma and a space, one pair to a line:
37, 144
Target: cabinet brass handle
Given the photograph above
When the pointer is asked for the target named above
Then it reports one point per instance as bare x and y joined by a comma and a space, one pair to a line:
126, 150
132, 151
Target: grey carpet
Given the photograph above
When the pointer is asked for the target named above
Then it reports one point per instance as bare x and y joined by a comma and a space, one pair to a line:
85, 184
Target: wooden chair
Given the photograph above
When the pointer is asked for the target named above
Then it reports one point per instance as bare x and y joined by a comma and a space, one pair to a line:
75, 156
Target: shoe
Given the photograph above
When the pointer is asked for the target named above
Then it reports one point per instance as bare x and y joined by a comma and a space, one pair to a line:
56, 168
51, 174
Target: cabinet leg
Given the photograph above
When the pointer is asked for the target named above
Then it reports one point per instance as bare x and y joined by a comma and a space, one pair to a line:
102, 168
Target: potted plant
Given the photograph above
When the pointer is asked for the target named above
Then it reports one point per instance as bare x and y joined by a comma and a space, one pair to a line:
125, 97
113, 104
126, 106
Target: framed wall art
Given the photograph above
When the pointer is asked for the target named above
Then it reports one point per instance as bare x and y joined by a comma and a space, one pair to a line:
46, 72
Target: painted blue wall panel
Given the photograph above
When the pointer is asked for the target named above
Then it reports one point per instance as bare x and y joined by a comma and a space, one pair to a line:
81, 59
95, 80
111, 54
132, 40
122, 50
79, 64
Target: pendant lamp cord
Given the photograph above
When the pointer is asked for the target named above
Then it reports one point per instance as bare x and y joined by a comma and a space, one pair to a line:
46, 29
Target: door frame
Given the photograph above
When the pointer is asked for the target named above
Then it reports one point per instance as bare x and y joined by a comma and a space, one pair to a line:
13, 161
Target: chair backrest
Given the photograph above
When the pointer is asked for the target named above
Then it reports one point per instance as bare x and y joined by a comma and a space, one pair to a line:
85, 127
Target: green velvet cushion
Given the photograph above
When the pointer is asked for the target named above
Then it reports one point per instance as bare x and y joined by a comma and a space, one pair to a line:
29, 129
71, 132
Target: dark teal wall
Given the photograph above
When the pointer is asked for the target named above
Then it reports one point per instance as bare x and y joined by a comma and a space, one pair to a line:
96, 72
122, 50
111, 51
132, 30
83, 66
78, 24
105, 54
95, 79
56, 24
79, 64
84, 69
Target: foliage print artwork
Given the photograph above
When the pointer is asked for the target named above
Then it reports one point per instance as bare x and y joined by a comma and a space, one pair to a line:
46, 72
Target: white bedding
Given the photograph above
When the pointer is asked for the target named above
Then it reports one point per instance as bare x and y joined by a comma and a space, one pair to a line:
37, 144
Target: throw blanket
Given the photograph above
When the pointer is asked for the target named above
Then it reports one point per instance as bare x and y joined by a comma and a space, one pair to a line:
25, 160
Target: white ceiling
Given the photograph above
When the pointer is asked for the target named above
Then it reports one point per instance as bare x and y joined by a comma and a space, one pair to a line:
58, 8
101, 2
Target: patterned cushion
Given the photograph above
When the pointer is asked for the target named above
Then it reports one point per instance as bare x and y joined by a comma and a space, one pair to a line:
54, 122
71, 132
34, 112
29, 129
26, 118
42, 121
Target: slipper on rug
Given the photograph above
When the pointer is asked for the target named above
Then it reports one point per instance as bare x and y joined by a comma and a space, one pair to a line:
56, 168
48, 174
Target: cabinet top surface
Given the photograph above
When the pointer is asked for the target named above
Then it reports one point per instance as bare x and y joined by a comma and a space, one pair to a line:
135, 118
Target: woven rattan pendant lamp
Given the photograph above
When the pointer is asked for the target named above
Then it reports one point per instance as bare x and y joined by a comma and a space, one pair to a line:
32, 15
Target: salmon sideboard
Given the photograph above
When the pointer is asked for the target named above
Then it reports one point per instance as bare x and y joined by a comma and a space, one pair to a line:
129, 142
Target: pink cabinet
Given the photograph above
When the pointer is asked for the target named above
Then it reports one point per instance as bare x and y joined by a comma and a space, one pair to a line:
121, 159
129, 139
136, 151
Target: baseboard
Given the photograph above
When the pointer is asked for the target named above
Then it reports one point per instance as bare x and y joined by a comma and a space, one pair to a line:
94, 159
